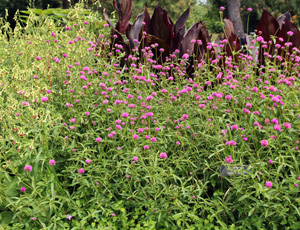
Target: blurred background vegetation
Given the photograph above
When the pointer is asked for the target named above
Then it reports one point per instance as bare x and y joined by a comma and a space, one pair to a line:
205, 10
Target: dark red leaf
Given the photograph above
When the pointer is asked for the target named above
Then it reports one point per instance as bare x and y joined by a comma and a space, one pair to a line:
284, 17
228, 27
267, 26
107, 19
159, 27
151, 39
119, 38
294, 39
135, 30
180, 23
146, 20
186, 47
233, 45
233, 42
205, 38
180, 29
124, 16
116, 4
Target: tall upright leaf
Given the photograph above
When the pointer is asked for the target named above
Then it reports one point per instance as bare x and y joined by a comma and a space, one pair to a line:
233, 41
140, 24
284, 17
107, 19
135, 30
161, 25
180, 29
228, 27
205, 39
267, 26
116, 38
186, 46
181, 21
288, 26
124, 15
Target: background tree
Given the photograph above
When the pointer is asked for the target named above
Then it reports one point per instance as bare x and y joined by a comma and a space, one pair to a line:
276, 7
235, 16
13, 5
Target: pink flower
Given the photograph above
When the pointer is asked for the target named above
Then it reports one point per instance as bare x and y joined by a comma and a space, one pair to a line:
98, 139
202, 106
246, 111
28, 168
290, 33
135, 158
80, 171
185, 56
153, 139
22, 189
287, 125
87, 113
249, 9
177, 143
296, 185
229, 159
275, 121
163, 155
235, 127
222, 8
72, 127
52, 162
113, 214
248, 105
228, 97
264, 143
88, 161
135, 136
232, 143
25, 103
44, 99
277, 127
260, 39
270, 161
146, 147
73, 120
38, 58
124, 115
268, 184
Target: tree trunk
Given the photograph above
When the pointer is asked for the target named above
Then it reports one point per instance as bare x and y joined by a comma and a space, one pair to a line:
65, 4
235, 16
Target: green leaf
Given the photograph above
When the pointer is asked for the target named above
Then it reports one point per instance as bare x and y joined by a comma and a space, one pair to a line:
6, 217
251, 211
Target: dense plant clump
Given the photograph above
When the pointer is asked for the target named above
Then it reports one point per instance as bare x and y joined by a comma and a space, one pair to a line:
87, 143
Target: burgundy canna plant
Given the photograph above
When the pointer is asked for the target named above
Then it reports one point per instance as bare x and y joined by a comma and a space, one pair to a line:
159, 30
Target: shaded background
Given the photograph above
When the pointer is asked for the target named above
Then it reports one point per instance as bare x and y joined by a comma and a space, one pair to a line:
205, 10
